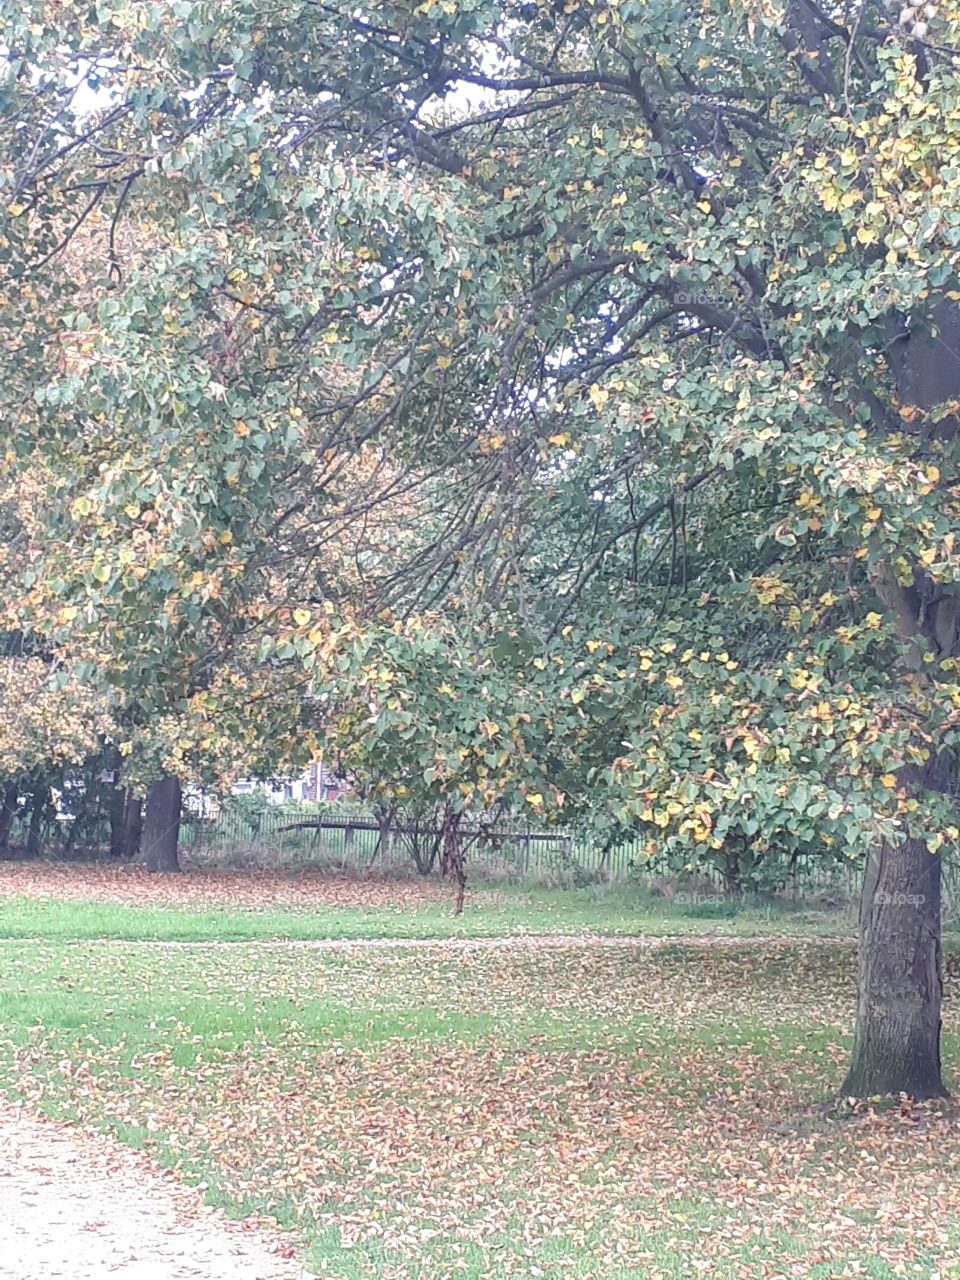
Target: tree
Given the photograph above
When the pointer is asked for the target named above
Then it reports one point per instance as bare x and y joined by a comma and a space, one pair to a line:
161, 824
620, 299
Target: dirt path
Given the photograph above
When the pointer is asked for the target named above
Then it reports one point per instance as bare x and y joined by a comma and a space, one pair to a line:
76, 1206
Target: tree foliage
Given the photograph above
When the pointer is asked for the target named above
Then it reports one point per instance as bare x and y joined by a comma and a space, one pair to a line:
596, 362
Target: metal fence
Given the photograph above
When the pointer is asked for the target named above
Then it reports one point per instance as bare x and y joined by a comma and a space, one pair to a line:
346, 836
350, 838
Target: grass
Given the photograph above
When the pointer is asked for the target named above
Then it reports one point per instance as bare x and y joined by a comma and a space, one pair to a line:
614, 911
523, 1111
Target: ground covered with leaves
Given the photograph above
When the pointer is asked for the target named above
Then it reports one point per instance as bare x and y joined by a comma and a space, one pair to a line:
304, 890
519, 1110
80, 900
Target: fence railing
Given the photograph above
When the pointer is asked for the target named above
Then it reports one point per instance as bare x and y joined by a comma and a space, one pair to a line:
351, 838
354, 840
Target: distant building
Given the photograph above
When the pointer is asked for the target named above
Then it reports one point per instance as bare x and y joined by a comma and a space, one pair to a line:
323, 784
317, 783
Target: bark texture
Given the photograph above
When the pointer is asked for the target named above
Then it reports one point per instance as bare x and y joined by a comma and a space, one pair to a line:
897, 1042
161, 825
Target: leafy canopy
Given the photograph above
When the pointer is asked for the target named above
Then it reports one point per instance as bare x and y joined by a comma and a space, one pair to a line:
593, 362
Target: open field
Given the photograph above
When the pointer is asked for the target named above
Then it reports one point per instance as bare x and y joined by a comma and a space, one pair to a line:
525, 1109
82, 901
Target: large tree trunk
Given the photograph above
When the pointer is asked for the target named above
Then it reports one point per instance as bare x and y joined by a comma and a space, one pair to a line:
161, 825
897, 1044
8, 811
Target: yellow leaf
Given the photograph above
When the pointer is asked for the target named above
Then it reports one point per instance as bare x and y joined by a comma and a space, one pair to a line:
599, 396
873, 620
444, 362
534, 798
888, 780
301, 617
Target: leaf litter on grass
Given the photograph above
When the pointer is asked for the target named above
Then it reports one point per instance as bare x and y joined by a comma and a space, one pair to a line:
518, 1112
134, 886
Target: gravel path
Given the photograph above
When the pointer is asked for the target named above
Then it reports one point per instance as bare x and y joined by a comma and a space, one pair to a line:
76, 1206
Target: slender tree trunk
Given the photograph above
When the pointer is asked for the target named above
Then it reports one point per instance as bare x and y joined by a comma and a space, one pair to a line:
897, 1042
118, 801
161, 825
38, 802
732, 882
383, 844
126, 824
8, 811
452, 857
132, 825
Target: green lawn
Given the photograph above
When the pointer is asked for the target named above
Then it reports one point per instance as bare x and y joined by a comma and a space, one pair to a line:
527, 1110
488, 914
